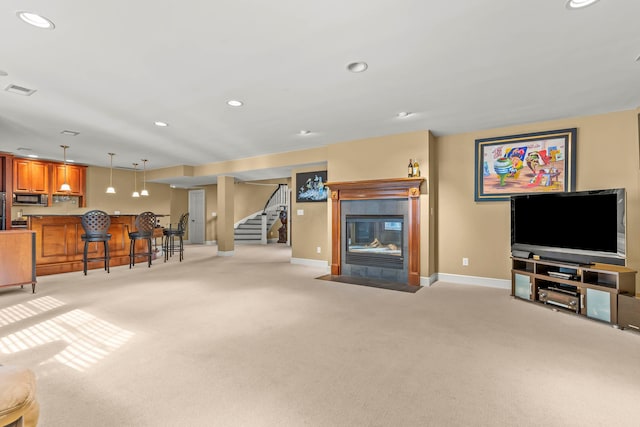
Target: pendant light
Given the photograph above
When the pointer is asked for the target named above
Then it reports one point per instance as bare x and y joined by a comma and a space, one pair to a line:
110, 189
144, 191
135, 182
65, 186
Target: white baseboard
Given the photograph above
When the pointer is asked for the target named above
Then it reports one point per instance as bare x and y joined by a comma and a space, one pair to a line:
428, 281
226, 253
311, 263
215, 242
473, 280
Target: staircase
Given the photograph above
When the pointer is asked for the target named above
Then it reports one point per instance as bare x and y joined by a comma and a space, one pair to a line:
253, 228
250, 231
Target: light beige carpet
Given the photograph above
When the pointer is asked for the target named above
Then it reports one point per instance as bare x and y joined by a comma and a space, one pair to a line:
252, 340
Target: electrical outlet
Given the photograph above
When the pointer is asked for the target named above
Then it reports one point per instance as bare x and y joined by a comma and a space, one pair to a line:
318, 249
465, 261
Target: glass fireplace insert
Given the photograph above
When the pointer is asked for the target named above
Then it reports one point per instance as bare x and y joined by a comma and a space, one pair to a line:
375, 240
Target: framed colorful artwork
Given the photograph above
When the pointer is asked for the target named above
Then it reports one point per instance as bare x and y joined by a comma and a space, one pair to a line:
540, 162
310, 187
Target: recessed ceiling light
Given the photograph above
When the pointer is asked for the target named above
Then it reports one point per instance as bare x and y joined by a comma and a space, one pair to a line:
33, 156
70, 132
403, 114
161, 124
357, 67
304, 132
578, 4
234, 103
36, 20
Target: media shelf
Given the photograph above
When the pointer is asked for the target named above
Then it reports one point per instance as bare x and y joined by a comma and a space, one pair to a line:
591, 290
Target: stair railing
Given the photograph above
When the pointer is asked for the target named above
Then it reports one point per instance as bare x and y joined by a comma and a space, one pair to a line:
279, 199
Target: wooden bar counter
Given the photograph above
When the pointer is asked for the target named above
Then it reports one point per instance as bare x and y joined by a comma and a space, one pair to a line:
59, 246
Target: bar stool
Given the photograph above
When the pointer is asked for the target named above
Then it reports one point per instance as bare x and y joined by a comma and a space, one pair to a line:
169, 238
145, 224
96, 225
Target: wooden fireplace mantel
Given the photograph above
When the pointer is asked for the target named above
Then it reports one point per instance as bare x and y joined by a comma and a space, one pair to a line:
395, 188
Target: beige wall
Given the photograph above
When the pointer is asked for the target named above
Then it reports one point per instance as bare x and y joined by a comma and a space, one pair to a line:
313, 156
377, 158
226, 190
310, 230
158, 200
252, 196
607, 157
211, 203
429, 233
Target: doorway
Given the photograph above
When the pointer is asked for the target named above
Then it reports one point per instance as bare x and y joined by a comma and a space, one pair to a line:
196, 217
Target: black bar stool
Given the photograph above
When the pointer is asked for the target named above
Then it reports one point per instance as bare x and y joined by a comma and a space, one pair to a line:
145, 224
169, 238
96, 225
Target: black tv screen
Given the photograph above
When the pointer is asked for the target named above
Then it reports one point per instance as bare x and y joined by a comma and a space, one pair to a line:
580, 227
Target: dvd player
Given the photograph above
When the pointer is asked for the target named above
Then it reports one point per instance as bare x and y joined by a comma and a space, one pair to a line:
560, 275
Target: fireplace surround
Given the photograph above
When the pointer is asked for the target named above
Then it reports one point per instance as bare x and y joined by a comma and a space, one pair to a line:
387, 213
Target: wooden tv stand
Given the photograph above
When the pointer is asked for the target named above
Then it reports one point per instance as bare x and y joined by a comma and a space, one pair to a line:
590, 290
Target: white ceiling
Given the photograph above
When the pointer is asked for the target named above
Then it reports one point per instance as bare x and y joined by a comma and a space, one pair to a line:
112, 68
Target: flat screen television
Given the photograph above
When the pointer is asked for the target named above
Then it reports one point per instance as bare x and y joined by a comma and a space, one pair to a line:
580, 227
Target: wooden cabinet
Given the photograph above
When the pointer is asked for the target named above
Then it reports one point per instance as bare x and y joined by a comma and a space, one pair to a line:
629, 311
17, 258
30, 176
3, 173
75, 177
591, 290
38, 177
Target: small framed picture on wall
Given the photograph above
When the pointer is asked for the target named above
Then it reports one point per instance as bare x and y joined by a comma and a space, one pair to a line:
310, 186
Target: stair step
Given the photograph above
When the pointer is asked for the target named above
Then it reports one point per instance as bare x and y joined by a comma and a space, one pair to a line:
251, 229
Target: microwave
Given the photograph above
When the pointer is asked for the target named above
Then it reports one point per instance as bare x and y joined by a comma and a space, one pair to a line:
30, 199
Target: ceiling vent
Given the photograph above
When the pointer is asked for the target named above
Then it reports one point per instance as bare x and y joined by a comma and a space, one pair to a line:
20, 90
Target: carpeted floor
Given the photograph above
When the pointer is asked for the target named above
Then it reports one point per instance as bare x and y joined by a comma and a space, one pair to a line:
253, 340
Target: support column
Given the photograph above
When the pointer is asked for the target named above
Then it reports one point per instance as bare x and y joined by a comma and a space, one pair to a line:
225, 216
